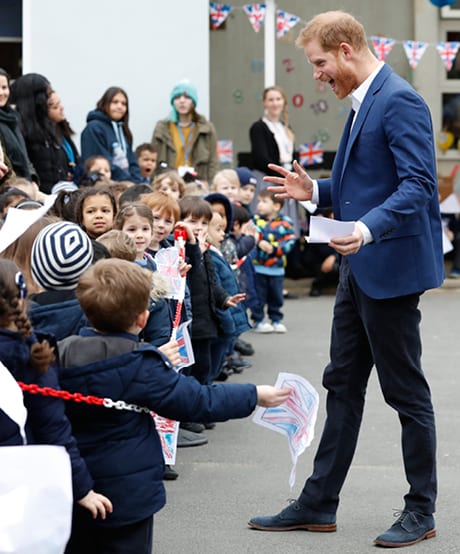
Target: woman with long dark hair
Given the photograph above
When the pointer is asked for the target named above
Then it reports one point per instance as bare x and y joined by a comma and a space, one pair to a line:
107, 134
10, 132
49, 146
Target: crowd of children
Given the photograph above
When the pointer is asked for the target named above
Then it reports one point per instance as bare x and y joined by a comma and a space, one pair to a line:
96, 293
109, 321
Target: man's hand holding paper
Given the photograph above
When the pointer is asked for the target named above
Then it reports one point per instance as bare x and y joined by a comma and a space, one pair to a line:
344, 236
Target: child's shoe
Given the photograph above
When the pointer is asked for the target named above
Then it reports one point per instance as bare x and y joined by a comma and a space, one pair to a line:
263, 327
170, 474
279, 327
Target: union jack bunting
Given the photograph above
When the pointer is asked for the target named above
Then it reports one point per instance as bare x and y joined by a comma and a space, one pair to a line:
219, 13
285, 22
311, 153
414, 51
382, 46
448, 52
256, 15
225, 151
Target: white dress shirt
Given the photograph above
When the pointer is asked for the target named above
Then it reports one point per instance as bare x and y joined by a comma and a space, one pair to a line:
357, 96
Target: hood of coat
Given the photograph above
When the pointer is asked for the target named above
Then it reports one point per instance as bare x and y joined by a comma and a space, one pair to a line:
98, 115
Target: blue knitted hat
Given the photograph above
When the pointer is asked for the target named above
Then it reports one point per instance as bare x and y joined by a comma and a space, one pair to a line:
182, 87
61, 252
246, 176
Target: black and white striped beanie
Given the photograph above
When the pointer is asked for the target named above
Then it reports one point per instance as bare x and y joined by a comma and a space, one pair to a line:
61, 252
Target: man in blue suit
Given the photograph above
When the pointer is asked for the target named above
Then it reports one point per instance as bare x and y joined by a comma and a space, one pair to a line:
383, 179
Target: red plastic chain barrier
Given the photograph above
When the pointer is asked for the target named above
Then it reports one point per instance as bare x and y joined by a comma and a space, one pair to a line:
65, 395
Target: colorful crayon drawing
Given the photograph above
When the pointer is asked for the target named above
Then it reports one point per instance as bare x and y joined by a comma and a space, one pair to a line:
295, 418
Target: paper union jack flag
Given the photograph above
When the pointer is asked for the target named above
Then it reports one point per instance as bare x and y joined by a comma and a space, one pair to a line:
414, 51
382, 46
311, 153
167, 430
225, 151
448, 52
167, 260
285, 22
219, 13
187, 357
256, 15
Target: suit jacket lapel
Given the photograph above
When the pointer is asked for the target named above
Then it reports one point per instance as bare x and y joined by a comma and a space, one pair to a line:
364, 110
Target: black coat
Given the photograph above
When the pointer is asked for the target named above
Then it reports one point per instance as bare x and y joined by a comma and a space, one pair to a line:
14, 144
51, 162
205, 293
264, 149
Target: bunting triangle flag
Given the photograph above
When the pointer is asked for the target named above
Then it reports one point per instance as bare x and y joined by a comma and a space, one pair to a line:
382, 46
219, 13
448, 52
285, 22
256, 15
414, 51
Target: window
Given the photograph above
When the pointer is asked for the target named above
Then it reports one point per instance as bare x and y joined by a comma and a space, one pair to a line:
452, 11
449, 140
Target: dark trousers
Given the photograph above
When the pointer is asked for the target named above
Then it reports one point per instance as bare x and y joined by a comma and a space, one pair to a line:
220, 347
89, 538
385, 333
270, 293
209, 356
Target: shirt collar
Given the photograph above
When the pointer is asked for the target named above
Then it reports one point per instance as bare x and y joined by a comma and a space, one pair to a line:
357, 96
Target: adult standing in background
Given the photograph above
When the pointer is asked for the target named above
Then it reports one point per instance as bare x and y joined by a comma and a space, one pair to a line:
63, 132
383, 179
272, 142
10, 132
5, 166
186, 140
32, 95
107, 134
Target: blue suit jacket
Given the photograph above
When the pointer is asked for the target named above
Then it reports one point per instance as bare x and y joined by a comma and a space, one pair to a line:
384, 174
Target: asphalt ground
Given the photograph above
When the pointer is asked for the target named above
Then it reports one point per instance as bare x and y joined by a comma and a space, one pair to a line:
243, 471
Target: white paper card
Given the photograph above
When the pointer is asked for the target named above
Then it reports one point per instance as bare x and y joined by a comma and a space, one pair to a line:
35, 499
18, 221
323, 229
450, 205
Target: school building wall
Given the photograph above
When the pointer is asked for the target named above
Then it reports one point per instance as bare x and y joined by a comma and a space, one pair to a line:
146, 46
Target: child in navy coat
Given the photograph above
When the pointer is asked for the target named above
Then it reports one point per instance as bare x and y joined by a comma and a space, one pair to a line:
234, 320
107, 360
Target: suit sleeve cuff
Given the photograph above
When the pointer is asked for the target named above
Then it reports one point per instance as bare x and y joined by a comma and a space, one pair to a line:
367, 235
311, 205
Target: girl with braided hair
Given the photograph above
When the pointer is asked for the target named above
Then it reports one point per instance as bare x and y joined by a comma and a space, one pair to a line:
30, 359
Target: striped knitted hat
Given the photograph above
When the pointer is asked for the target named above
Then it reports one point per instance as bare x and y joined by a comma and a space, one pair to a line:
61, 252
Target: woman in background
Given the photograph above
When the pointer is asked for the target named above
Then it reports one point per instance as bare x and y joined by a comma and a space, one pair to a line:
11, 135
272, 141
48, 147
